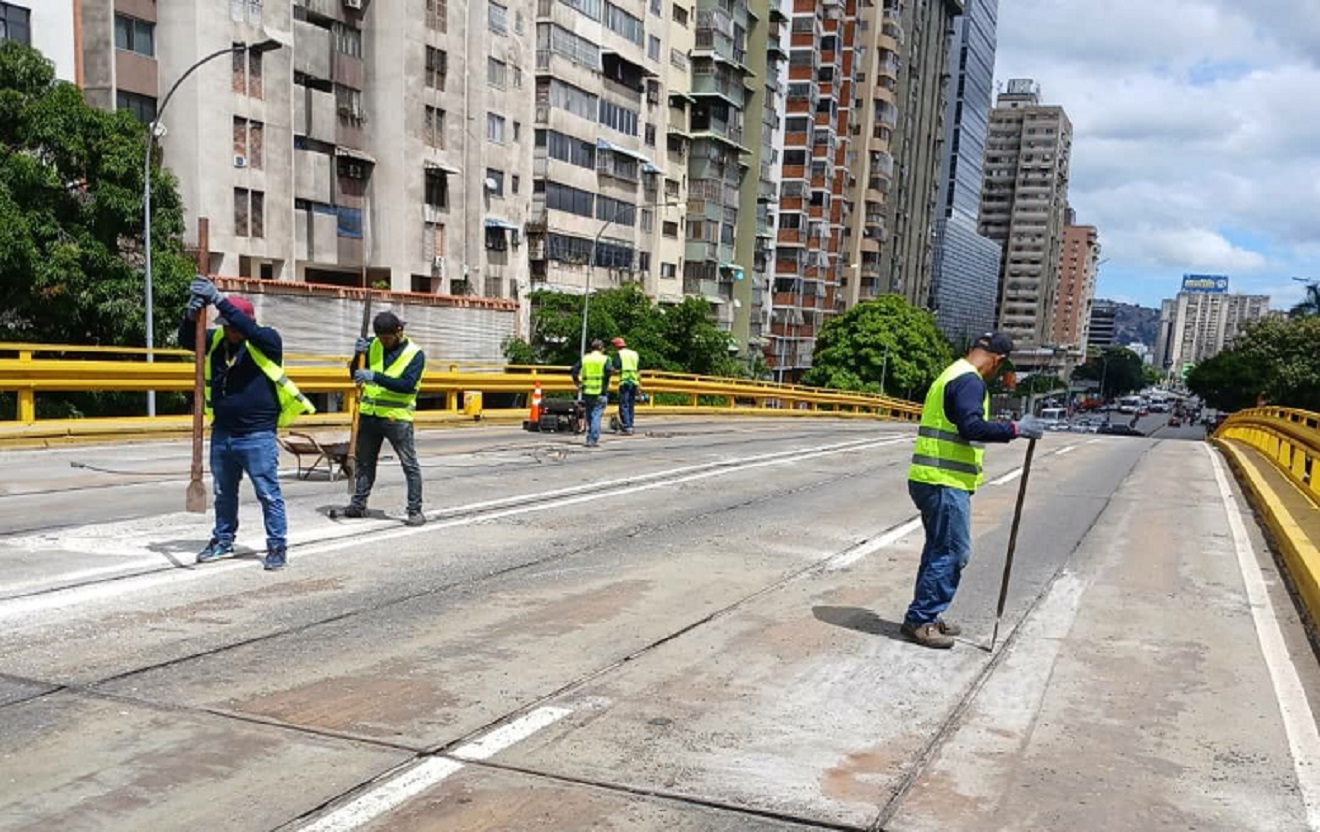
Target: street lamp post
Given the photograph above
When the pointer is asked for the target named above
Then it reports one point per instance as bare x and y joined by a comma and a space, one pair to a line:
153, 131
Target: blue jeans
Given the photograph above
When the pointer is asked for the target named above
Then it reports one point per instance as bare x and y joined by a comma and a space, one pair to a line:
257, 455
946, 514
627, 399
597, 407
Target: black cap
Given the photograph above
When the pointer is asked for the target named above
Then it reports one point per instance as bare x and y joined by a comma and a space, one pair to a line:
597, 344
996, 343
387, 322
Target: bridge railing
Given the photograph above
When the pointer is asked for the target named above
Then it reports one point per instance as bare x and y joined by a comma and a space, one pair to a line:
30, 370
1290, 438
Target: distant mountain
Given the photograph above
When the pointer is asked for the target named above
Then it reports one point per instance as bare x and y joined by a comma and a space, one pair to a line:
1134, 323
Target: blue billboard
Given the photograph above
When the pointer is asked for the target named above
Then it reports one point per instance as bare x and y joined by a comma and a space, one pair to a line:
1205, 284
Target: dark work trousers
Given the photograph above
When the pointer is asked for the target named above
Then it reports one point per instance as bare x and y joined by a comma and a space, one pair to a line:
372, 430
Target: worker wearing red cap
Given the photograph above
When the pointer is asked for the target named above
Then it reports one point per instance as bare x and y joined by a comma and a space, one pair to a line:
626, 363
248, 396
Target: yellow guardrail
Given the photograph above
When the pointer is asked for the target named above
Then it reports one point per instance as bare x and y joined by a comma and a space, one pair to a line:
30, 370
1290, 440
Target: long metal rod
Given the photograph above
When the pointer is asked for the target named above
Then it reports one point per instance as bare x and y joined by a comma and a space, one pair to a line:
1012, 541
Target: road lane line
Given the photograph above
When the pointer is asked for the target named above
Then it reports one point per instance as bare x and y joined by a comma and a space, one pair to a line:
506, 735
387, 796
1066, 450
412, 781
62, 598
1298, 720
869, 547
1007, 478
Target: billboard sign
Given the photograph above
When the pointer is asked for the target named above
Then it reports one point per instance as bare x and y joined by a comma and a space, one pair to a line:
1205, 284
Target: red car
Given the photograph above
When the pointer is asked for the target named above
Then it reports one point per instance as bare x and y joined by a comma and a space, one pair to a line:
1175, 421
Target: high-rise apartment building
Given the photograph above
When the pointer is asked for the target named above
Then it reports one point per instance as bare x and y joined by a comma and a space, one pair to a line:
814, 200
965, 265
923, 28
52, 27
1196, 326
1077, 274
1102, 326
1023, 208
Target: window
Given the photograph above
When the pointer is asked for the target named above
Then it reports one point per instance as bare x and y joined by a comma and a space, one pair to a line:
495, 128
517, 133
143, 107
657, 8
433, 132
653, 47
644, 261
433, 241
650, 135
669, 270
437, 189
348, 40
567, 149
437, 67
496, 239
567, 249
669, 228
679, 59
618, 117
249, 140
496, 73
437, 15
246, 74
495, 182
497, 18
648, 219
617, 165
567, 97
133, 35
561, 41
589, 8
249, 213
348, 102
249, 10
350, 223
614, 255
515, 182
16, 25
623, 24
616, 211
569, 199
680, 15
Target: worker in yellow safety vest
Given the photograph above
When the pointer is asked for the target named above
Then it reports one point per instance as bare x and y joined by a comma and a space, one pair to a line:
388, 400
627, 363
946, 470
591, 375
247, 396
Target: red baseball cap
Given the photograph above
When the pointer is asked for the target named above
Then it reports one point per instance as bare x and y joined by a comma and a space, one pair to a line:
619, 342
243, 305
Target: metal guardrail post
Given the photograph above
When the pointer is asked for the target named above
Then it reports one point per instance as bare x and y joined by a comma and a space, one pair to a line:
27, 399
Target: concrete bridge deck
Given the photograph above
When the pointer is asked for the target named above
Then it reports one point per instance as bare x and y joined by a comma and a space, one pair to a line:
691, 629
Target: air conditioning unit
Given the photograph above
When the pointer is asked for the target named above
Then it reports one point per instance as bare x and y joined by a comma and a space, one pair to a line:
240, 161
438, 265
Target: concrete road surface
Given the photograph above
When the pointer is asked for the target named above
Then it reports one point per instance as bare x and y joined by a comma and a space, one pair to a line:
695, 628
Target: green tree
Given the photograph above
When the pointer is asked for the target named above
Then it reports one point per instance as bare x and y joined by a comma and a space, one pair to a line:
1227, 381
678, 338
1119, 369
1285, 354
1309, 306
71, 257
886, 337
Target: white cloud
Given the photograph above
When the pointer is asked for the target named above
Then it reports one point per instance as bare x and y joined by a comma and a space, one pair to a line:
1196, 124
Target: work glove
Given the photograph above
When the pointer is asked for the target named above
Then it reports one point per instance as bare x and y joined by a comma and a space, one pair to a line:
196, 304
361, 345
206, 290
1030, 427
363, 376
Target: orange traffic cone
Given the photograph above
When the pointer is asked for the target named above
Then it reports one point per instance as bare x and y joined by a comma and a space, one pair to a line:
535, 416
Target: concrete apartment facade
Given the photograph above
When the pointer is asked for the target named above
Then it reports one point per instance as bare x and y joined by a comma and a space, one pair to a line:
926, 27
965, 265
1024, 208
1078, 266
1196, 326
53, 27
1102, 325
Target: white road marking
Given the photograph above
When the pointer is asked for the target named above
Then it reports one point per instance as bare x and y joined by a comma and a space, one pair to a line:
1298, 720
412, 781
506, 735
869, 547
1007, 478
73, 596
82, 574
1066, 450
387, 796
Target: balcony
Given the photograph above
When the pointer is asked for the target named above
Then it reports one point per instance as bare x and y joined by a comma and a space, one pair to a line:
791, 237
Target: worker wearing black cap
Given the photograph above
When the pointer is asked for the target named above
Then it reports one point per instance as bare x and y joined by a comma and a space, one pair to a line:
946, 470
390, 382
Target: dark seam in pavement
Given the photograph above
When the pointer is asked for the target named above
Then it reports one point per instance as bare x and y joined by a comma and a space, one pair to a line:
950, 724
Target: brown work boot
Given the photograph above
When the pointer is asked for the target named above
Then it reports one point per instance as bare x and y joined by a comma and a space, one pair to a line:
947, 628
927, 635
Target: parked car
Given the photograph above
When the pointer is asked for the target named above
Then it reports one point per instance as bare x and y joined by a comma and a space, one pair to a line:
1175, 421
1119, 430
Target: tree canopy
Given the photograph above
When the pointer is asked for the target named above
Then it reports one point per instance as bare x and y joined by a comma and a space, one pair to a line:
1278, 359
885, 338
679, 338
1309, 306
71, 256
1119, 369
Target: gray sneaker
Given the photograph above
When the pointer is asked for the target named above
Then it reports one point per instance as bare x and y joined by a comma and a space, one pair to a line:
927, 635
415, 518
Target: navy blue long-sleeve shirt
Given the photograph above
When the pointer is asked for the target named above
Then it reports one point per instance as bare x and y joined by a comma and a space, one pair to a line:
964, 403
412, 374
242, 397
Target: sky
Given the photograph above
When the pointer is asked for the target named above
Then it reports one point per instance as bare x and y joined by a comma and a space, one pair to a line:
1196, 145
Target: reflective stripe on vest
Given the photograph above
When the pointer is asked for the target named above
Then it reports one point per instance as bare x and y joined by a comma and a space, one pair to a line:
628, 364
593, 373
291, 400
380, 401
941, 455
